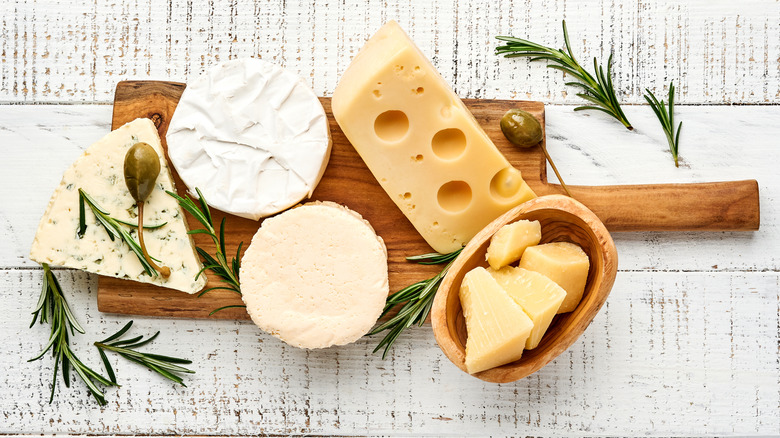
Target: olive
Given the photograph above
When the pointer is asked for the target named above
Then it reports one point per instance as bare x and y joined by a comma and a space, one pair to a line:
521, 128
142, 165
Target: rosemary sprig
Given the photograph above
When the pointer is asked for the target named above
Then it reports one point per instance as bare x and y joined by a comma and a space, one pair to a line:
418, 299
165, 366
226, 271
146, 227
113, 228
53, 308
599, 91
666, 117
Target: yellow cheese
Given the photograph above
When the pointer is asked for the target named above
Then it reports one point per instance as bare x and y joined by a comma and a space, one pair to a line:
539, 297
509, 242
421, 142
562, 262
497, 327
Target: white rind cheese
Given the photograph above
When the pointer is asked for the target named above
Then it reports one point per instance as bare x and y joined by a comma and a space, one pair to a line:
100, 173
252, 136
315, 276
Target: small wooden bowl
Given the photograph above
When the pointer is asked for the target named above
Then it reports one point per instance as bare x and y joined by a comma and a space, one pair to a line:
563, 220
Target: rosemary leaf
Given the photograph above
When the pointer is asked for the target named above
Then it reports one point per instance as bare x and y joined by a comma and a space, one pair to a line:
113, 228
415, 300
52, 307
598, 90
146, 227
232, 306
226, 270
165, 366
665, 115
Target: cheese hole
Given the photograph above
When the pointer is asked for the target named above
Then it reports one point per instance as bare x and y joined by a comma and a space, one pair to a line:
377, 94
449, 144
399, 69
417, 158
391, 126
407, 195
418, 90
446, 112
454, 196
506, 183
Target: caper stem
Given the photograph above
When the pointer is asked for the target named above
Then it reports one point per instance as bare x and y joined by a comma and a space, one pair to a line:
163, 270
555, 169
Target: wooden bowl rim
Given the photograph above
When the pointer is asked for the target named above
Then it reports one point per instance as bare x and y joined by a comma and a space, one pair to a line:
582, 315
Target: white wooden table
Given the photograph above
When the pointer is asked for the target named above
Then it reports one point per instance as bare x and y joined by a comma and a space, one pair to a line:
688, 342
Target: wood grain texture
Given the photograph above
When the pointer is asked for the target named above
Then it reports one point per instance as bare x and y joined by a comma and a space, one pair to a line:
715, 206
716, 52
711, 206
562, 219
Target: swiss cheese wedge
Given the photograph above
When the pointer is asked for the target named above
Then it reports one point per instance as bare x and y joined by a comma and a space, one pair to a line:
421, 142
100, 173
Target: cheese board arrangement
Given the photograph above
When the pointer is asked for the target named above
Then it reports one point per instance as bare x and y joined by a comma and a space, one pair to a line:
243, 195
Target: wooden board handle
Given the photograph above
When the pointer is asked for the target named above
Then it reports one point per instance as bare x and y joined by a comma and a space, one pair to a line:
718, 206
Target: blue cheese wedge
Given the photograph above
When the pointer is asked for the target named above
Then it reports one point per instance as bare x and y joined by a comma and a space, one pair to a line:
99, 172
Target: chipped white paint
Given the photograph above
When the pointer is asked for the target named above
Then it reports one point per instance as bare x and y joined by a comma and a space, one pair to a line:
716, 51
686, 344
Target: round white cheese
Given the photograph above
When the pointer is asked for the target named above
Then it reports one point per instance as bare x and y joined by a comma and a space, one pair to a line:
315, 276
252, 136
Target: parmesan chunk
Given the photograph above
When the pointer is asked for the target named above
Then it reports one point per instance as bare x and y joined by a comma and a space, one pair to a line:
497, 327
564, 263
539, 297
509, 242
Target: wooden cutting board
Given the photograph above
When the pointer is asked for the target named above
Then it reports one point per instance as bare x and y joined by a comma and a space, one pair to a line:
663, 207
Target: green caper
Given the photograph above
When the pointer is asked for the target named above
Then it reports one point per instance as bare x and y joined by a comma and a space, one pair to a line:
521, 128
142, 165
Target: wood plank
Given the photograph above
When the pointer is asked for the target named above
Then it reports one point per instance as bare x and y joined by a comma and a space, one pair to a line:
675, 353
708, 333
715, 52
43, 140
